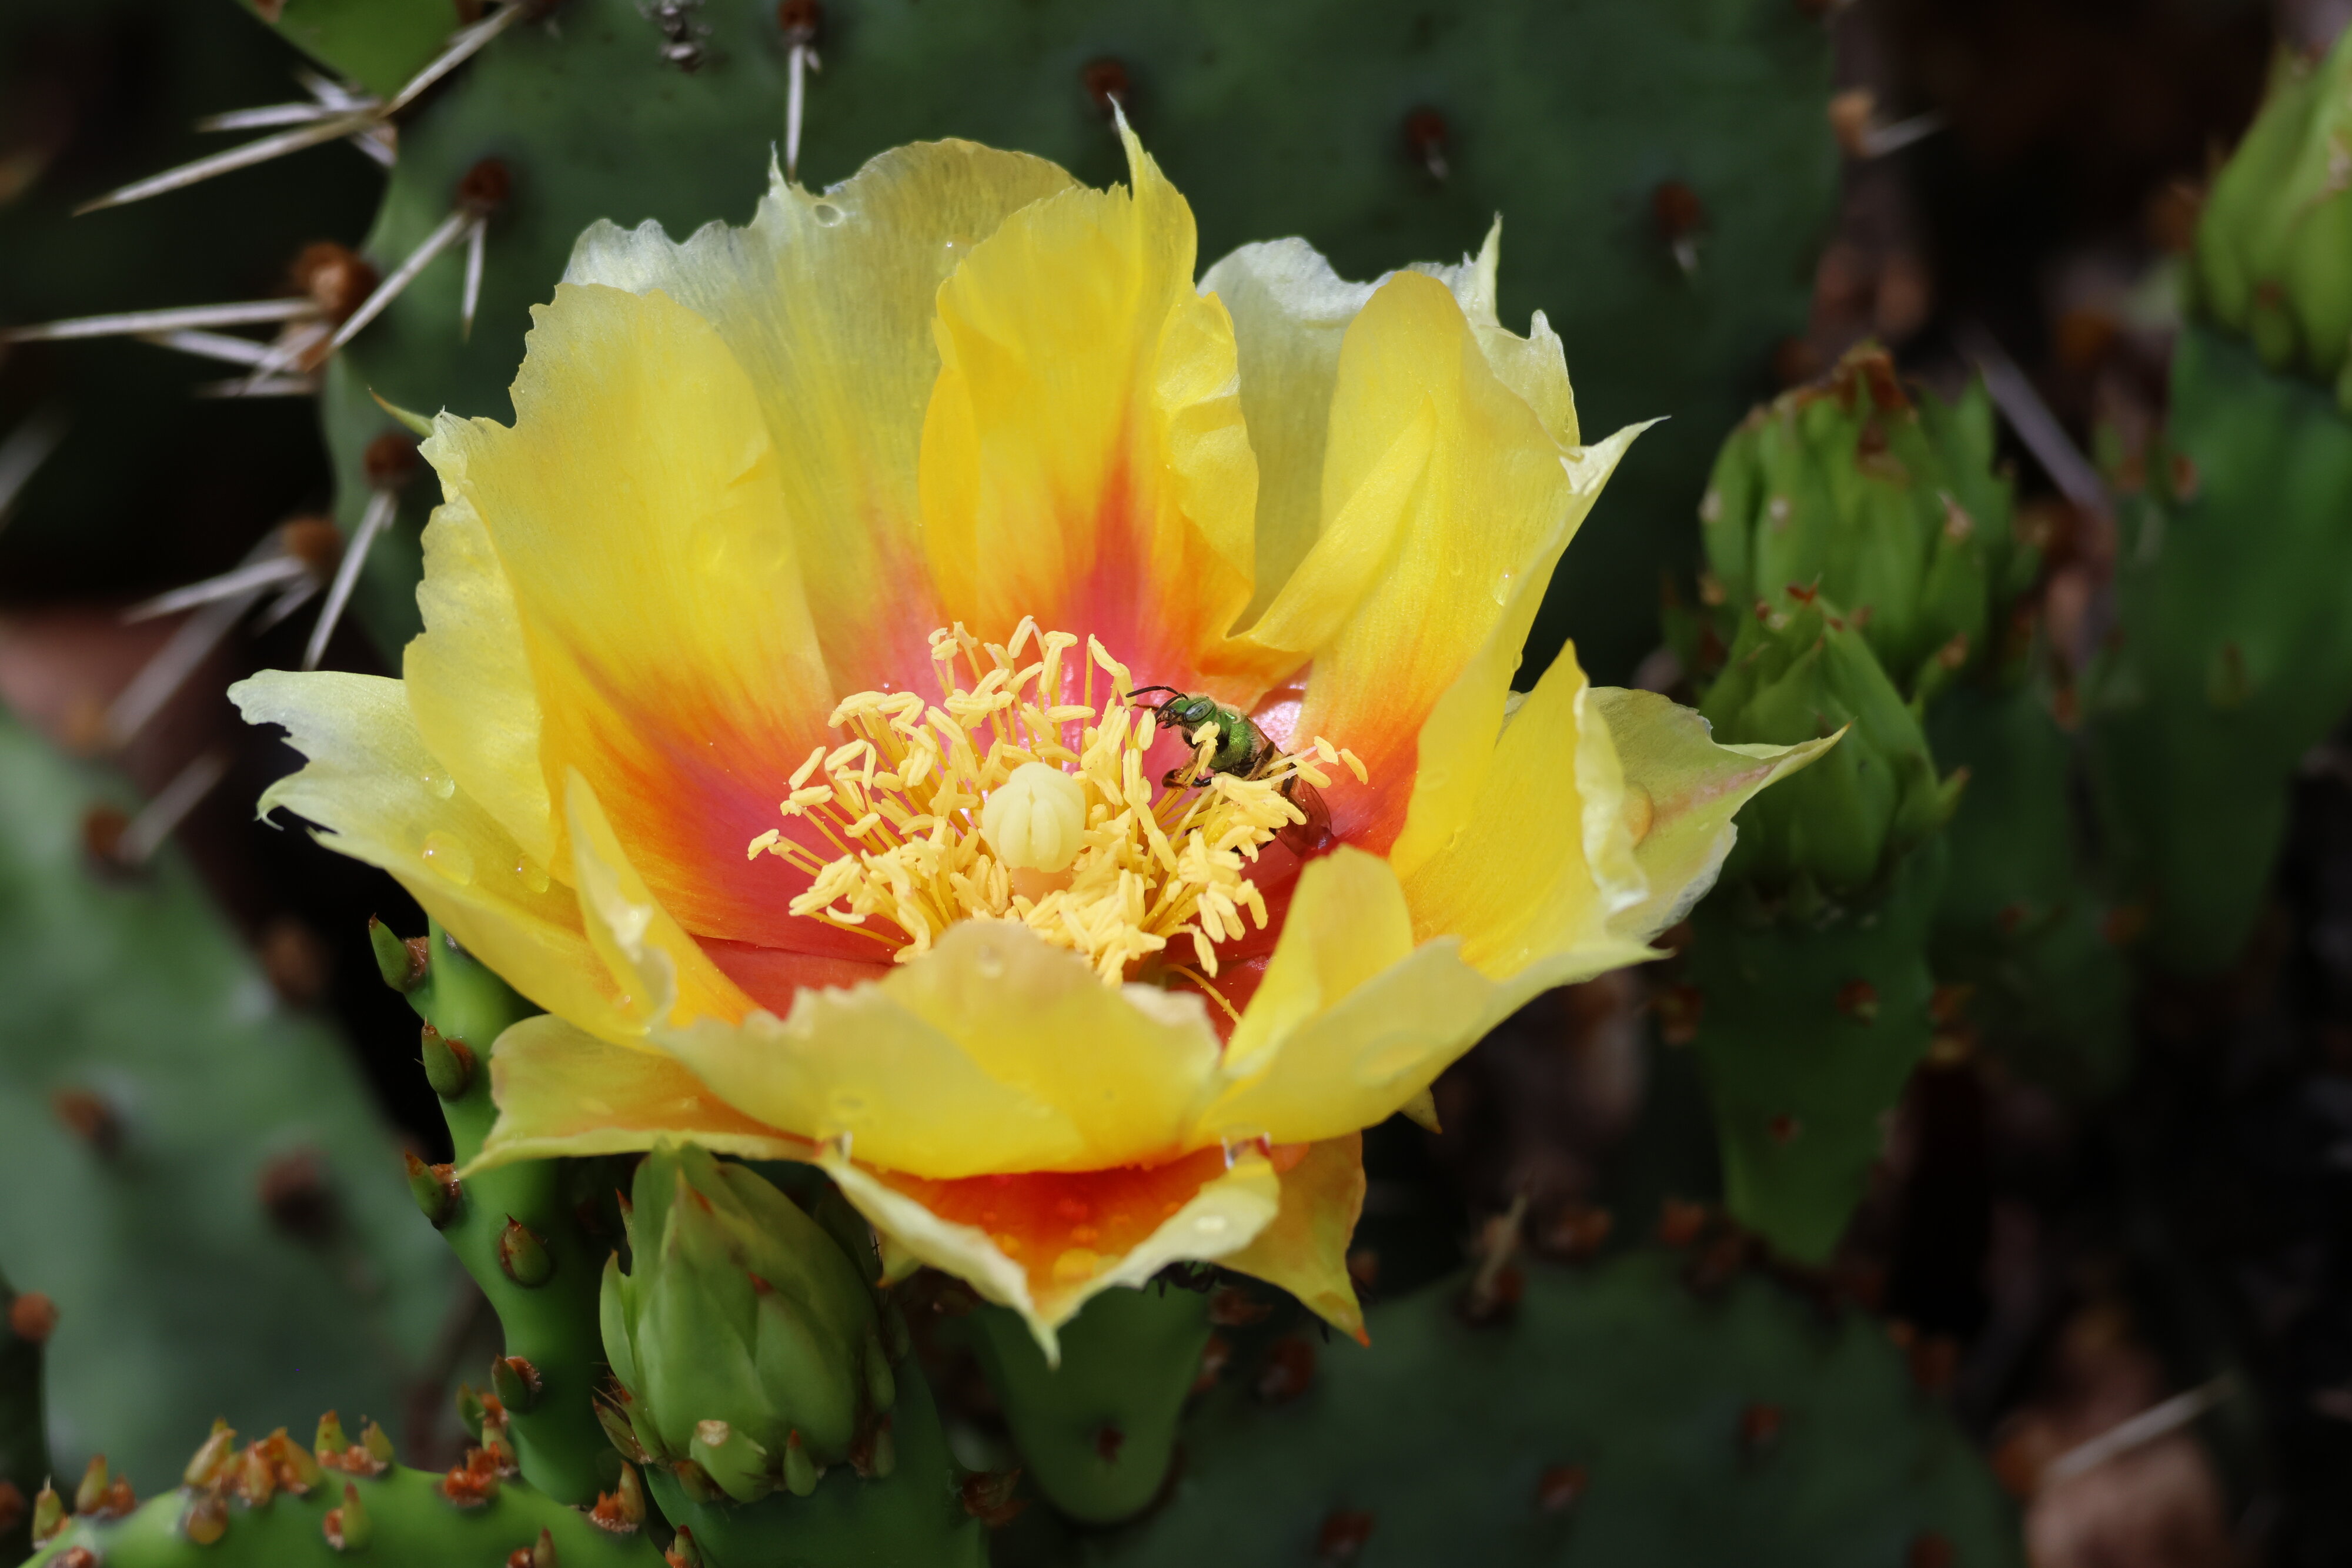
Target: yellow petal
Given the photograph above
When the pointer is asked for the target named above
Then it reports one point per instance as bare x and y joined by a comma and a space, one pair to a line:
1543, 861
1083, 457
1497, 502
1456, 742
1026, 1257
666, 977
992, 1052
1291, 313
1682, 791
826, 302
1304, 1250
637, 510
1350, 1022
1535, 366
561, 1090
382, 798
469, 680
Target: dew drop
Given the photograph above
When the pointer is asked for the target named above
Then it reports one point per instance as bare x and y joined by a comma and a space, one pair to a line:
440, 783
532, 876
1502, 589
826, 215
449, 856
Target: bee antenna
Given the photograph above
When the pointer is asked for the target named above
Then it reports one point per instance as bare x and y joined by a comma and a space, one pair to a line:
1138, 691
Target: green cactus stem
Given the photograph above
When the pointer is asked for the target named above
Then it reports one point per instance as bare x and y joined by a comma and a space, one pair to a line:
276, 1505
25, 1320
2232, 656
1809, 964
1807, 1035
518, 1229
1098, 1433
2021, 930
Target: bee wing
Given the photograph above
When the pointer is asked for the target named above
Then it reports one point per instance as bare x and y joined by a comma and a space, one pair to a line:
1314, 834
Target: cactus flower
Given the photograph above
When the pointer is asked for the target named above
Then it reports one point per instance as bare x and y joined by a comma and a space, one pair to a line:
809, 538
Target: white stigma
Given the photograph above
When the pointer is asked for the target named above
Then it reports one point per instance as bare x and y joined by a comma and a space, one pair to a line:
1036, 819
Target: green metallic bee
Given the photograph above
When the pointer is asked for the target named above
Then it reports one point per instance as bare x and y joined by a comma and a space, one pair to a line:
1244, 751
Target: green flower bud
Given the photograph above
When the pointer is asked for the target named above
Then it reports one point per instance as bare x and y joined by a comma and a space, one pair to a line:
2273, 251
1883, 501
1797, 671
745, 1340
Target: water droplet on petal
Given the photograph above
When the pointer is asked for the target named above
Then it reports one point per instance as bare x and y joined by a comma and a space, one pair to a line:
1502, 590
440, 783
531, 874
449, 855
826, 215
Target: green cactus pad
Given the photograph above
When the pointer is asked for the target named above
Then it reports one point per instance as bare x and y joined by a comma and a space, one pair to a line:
129, 1010
1618, 1418
2232, 656
1806, 1034
379, 44
1549, 114
411, 1523
2020, 924
1096, 1433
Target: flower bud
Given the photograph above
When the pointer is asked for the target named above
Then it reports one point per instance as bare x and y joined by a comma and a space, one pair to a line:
1880, 496
742, 1335
2274, 250
1800, 672
1036, 819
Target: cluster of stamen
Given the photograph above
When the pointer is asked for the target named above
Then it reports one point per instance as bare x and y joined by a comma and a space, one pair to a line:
899, 804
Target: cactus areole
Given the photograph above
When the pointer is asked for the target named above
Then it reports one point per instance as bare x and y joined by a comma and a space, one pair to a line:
811, 536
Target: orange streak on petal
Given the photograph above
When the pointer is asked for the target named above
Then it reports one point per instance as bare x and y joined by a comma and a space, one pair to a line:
1075, 1220
773, 977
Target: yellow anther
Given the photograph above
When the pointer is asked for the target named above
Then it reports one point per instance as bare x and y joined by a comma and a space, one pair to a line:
1005, 799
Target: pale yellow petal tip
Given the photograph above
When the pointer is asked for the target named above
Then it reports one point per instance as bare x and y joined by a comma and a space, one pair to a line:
1223, 1217
1421, 1112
